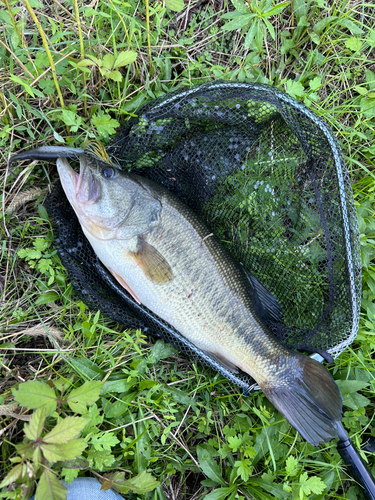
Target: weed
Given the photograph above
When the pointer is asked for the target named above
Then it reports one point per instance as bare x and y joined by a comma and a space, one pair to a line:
68, 74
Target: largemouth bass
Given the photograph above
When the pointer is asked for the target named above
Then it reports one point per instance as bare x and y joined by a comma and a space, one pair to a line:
161, 252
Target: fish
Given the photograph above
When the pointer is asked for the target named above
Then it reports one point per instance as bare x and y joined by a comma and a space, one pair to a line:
163, 254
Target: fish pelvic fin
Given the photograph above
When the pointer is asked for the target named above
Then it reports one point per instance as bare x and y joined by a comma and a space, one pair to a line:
309, 399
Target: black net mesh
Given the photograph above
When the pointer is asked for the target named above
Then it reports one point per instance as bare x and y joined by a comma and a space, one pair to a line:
268, 178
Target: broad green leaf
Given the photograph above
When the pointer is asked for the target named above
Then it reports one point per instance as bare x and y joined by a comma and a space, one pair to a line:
322, 25
87, 62
73, 449
95, 60
244, 468
349, 386
291, 466
64, 451
100, 459
250, 35
71, 119
29, 254
4, 16
181, 396
87, 367
299, 8
104, 441
104, 124
108, 61
37, 456
259, 36
111, 478
355, 401
35, 4
370, 79
276, 490
140, 484
315, 83
167, 75
238, 23
311, 485
31, 91
353, 27
50, 488
368, 110
77, 464
43, 214
8, 345
115, 75
232, 15
146, 384
220, 493
85, 395
46, 298
116, 409
240, 6
34, 428
69, 475
134, 103
125, 58
304, 23
89, 12
12, 476
122, 385
161, 350
261, 494
175, 5
353, 43
234, 443
273, 11
270, 28
52, 452
295, 89
34, 394
65, 430
40, 243
268, 439
209, 466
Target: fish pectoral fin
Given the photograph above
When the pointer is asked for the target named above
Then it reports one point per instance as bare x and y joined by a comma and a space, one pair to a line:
219, 359
265, 304
124, 285
154, 265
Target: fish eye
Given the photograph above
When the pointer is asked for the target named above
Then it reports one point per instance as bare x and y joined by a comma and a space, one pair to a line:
107, 172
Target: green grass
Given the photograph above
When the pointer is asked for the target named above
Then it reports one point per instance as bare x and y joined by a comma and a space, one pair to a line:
76, 77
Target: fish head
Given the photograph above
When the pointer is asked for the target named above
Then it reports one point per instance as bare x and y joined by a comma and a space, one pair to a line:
109, 203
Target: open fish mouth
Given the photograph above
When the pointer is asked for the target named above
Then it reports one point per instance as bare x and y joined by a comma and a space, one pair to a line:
84, 188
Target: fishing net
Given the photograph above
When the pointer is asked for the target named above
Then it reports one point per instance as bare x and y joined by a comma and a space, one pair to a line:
268, 178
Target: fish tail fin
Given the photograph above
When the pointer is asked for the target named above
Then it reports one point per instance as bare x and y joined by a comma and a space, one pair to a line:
308, 398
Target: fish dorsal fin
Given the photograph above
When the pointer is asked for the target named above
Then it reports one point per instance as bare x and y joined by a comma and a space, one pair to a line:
265, 304
154, 265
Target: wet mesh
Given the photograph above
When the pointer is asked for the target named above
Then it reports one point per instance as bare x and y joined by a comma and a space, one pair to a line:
268, 178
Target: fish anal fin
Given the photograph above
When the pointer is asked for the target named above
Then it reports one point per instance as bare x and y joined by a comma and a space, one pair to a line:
124, 285
221, 360
151, 261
